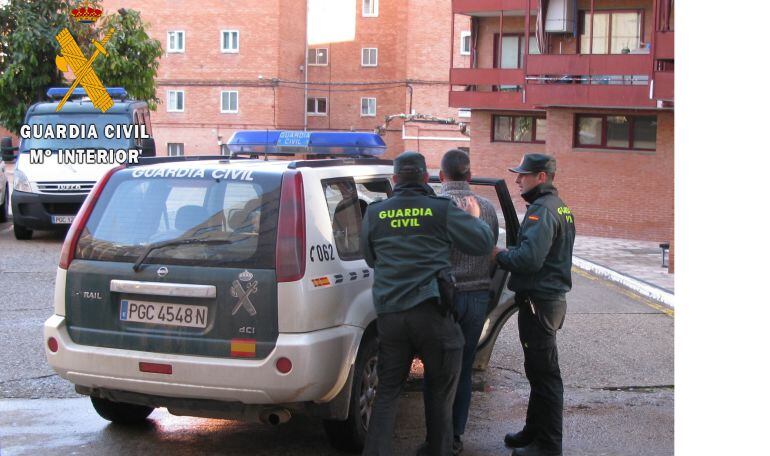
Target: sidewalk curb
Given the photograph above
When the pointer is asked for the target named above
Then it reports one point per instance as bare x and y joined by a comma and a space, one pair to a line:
644, 289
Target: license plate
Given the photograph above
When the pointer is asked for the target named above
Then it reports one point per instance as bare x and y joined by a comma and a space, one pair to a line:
62, 219
164, 314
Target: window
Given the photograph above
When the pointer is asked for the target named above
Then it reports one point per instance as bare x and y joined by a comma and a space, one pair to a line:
316, 106
369, 57
509, 53
368, 107
345, 213
175, 149
616, 132
615, 32
175, 41
526, 129
230, 41
229, 101
175, 101
370, 8
346, 210
319, 56
465, 43
135, 211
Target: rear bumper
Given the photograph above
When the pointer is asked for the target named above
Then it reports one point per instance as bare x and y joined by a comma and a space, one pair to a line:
35, 210
321, 361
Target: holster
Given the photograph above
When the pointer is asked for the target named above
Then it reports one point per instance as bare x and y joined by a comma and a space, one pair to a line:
447, 287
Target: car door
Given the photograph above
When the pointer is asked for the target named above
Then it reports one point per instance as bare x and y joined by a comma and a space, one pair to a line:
501, 305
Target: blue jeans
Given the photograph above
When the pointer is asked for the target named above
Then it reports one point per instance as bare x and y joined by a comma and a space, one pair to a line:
472, 312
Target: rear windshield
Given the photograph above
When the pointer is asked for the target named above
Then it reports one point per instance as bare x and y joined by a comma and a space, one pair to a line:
140, 208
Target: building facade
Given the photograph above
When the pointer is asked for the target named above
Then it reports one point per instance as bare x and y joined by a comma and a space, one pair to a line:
260, 69
588, 81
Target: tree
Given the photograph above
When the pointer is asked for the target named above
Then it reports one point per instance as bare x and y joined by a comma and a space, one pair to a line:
133, 57
28, 50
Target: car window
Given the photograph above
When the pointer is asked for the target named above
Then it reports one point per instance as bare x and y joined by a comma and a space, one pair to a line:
133, 212
345, 213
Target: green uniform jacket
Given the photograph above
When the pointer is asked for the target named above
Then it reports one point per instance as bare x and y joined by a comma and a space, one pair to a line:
541, 262
407, 239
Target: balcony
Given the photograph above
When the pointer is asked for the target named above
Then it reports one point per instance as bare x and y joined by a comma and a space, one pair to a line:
486, 76
664, 45
481, 7
487, 100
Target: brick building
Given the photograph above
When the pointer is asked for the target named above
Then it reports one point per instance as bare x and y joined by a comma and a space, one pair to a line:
577, 92
598, 95
221, 72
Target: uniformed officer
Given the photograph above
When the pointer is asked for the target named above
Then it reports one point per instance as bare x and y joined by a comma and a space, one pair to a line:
407, 240
540, 266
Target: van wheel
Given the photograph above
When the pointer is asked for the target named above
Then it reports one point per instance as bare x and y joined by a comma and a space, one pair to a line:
120, 412
349, 435
4, 206
21, 233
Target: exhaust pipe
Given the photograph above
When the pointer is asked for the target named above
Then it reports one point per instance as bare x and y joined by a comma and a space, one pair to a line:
277, 416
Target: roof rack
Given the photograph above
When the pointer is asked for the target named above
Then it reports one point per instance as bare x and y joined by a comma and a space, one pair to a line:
143, 161
317, 143
338, 162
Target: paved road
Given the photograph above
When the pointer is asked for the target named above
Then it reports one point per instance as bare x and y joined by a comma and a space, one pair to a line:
616, 350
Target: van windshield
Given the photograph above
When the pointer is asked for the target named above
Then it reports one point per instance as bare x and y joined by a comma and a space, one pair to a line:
99, 121
232, 221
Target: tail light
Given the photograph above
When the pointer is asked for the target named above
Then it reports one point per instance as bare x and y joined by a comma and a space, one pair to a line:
53, 345
73, 235
290, 245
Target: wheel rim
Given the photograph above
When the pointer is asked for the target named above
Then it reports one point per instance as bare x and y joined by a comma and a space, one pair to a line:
367, 391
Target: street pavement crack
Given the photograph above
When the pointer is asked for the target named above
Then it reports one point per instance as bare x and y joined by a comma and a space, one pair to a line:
635, 388
28, 378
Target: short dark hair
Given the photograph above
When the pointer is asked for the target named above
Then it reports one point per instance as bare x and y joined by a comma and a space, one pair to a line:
456, 165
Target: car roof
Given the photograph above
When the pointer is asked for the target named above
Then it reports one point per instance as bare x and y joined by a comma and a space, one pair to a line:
269, 166
83, 107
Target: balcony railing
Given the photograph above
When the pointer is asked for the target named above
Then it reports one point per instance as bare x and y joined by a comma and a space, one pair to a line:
478, 6
486, 76
589, 95
583, 64
664, 86
664, 45
487, 100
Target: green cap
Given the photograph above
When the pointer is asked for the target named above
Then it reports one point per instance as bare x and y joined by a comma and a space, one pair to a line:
410, 163
535, 163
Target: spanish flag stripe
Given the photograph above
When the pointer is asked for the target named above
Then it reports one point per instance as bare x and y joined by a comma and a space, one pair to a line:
243, 347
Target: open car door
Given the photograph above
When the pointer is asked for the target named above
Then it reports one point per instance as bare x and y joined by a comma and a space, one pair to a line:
501, 304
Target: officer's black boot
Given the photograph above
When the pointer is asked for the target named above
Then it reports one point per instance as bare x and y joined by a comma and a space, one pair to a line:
518, 439
534, 449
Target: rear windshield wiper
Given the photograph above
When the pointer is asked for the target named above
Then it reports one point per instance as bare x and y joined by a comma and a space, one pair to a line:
170, 242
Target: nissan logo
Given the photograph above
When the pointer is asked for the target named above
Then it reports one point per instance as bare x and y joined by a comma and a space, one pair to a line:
162, 271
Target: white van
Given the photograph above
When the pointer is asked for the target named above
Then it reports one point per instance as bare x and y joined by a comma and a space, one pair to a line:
47, 195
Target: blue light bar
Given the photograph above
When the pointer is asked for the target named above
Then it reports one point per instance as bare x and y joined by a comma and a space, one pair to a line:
57, 93
289, 142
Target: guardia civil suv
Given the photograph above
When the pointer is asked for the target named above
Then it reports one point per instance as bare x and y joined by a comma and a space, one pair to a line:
234, 288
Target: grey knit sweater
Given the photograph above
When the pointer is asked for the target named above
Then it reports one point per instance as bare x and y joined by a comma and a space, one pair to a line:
471, 272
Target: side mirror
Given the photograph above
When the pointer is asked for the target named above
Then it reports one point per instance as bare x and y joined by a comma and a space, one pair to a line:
7, 149
148, 147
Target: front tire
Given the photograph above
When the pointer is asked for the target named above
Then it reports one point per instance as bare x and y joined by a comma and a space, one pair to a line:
120, 412
21, 233
350, 435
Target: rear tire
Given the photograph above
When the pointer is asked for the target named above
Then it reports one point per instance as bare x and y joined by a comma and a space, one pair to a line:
21, 233
4, 206
120, 412
350, 435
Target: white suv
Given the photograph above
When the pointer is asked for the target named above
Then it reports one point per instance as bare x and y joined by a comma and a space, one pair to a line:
231, 288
